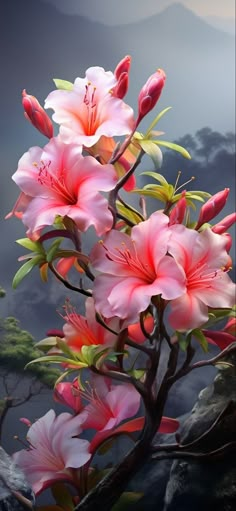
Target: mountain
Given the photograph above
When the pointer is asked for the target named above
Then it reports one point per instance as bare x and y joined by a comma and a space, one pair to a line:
225, 24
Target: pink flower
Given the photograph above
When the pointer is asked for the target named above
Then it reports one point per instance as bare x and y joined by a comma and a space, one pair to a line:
110, 405
53, 450
90, 110
79, 330
203, 258
35, 113
135, 268
60, 181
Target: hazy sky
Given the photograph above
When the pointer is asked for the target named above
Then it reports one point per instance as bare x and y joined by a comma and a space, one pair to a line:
113, 12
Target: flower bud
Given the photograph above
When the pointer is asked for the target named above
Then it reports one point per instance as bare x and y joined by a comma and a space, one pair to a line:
121, 88
35, 113
221, 338
212, 207
224, 224
150, 93
68, 394
230, 327
228, 241
177, 214
123, 67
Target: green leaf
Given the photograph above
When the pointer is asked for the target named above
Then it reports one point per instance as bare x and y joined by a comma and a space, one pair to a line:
157, 119
183, 340
34, 246
46, 344
153, 151
201, 338
175, 147
63, 84
53, 250
57, 359
156, 176
24, 270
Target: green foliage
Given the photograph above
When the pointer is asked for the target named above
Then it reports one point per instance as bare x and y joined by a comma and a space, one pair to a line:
17, 348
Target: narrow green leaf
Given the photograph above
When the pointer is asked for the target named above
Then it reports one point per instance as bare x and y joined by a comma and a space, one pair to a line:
34, 246
157, 119
57, 359
174, 147
201, 338
153, 151
156, 176
53, 249
63, 84
24, 270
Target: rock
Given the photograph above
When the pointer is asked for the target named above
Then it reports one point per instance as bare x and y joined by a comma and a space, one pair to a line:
14, 489
208, 485
194, 485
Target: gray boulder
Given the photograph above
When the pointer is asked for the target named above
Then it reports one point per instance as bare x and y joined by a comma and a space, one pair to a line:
15, 492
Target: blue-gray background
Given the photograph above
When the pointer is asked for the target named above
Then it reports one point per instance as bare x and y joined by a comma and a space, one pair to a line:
193, 41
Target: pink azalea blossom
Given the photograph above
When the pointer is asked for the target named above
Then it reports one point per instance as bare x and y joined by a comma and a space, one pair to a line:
135, 268
60, 181
90, 110
203, 258
53, 450
109, 408
85, 330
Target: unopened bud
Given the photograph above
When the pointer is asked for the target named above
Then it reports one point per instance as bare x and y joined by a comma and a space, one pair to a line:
224, 224
177, 214
212, 207
123, 67
122, 86
150, 93
230, 327
228, 241
35, 113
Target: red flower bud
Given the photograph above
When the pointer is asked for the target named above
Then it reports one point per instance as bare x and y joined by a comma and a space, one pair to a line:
121, 88
228, 241
35, 113
123, 67
177, 214
212, 207
150, 93
220, 338
224, 224
230, 326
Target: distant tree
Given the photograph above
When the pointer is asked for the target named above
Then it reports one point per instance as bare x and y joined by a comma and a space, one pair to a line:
210, 143
19, 385
230, 141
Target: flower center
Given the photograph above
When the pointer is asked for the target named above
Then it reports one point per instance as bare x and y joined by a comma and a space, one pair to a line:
131, 260
91, 105
55, 182
201, 276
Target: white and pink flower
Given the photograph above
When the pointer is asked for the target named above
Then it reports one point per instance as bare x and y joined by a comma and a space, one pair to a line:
134, 269
54, 450
204, 259
58, 180
90, 110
